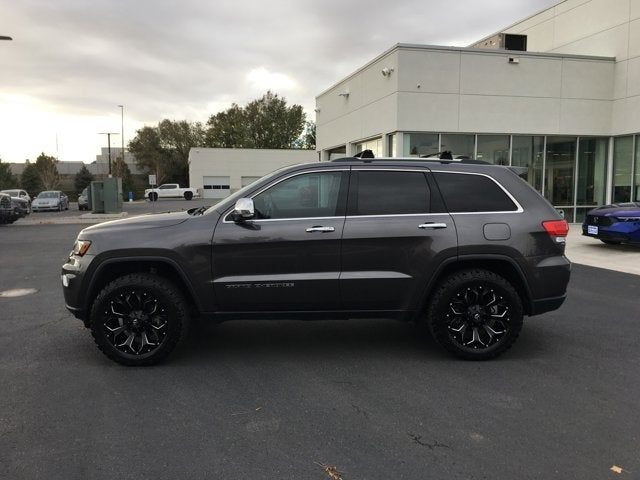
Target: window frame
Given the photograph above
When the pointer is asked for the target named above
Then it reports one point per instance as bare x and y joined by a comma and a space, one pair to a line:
519, 208
342, 196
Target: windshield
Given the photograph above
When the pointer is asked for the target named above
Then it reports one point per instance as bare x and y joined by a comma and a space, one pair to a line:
48, 195
13, 193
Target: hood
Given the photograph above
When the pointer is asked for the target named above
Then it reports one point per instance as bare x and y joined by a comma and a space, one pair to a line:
617, 210
45, 201
140, 222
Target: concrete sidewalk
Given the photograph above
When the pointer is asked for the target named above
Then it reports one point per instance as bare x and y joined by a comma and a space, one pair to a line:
592, 252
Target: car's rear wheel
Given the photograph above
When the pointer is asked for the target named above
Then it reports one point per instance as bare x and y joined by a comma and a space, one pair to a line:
475, 314
153, 196
188, 195
610, 242
138, 319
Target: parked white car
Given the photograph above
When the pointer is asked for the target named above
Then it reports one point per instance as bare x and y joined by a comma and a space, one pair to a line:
170, 190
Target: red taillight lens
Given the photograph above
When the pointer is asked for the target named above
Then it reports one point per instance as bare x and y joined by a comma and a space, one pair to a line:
556, 228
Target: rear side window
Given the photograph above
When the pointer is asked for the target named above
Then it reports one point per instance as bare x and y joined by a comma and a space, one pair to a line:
472, 193
389, 193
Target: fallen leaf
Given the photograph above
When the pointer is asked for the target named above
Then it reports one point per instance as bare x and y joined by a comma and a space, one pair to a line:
616, 469
331, 471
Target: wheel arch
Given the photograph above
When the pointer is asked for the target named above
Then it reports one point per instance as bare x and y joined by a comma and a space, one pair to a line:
110, 269
502, 265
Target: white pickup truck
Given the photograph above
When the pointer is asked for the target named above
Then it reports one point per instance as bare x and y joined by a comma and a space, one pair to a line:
170, 190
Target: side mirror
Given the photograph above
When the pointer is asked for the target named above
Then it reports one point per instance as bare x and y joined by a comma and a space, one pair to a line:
243, 209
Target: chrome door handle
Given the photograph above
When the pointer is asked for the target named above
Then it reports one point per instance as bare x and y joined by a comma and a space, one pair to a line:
432, 225
320, 229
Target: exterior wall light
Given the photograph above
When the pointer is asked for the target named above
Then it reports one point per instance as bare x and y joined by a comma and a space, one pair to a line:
386, 71
344, 94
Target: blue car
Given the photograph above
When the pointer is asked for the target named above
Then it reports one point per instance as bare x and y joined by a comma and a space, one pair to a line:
614, 224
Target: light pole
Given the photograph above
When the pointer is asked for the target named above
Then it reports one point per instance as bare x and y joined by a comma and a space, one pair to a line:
122, 128
108, 134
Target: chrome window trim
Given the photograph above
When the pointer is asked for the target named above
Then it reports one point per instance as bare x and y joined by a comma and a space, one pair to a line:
397, 215
511, 197
296, 174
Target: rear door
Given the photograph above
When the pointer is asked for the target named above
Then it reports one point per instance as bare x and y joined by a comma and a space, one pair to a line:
288, 257
396, 234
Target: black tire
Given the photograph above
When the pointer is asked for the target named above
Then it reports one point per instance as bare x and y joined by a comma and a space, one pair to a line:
153, 197
188, 195
610, 242
166, 329
481, 301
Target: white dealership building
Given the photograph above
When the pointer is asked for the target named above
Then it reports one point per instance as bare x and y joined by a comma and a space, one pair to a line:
557, 92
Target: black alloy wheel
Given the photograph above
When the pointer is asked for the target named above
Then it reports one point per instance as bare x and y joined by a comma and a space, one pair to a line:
475, 314
138, 319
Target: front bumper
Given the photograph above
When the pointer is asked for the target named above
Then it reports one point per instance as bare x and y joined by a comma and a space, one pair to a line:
72, 278
45, 208
627, 232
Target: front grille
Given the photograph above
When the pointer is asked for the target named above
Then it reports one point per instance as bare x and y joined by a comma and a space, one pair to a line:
5, 202
599, 220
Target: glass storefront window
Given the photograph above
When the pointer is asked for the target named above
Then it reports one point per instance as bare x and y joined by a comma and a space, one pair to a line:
375, 145
560, 171
339, 152
592, 171
622, 160
393, 145
458, 145
493, 149
528, 151
420, 144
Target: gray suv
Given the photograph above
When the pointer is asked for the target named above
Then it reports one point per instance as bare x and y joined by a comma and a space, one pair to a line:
467, 249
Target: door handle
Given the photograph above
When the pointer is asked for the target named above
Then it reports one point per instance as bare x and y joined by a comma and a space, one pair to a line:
432, 225
320, 229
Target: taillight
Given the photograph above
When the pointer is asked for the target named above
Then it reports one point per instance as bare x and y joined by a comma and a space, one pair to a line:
556, 228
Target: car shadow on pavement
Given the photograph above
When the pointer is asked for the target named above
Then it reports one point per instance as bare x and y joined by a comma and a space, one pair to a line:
360, 340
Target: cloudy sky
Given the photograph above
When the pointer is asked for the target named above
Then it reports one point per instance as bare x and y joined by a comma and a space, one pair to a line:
72, 62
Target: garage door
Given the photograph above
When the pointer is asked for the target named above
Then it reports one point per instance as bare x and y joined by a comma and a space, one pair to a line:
215, 187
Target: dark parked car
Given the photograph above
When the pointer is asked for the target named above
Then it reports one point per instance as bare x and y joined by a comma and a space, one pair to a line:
83, 200
50, 200
614, 224
6, 209
22, 196
19, 206
465, 248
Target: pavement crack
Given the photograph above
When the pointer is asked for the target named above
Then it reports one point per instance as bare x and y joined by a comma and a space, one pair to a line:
431, 446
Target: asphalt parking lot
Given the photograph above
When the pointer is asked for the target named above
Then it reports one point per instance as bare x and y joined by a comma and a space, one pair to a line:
276, 399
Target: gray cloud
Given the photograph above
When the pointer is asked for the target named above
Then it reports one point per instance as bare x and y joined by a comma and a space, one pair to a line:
189, 57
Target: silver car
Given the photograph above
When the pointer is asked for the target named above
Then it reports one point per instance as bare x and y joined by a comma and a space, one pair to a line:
50, 200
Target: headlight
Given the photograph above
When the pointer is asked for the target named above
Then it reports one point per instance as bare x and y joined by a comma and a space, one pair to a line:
81, 247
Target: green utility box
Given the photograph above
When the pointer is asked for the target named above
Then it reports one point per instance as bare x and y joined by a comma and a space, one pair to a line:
106, 196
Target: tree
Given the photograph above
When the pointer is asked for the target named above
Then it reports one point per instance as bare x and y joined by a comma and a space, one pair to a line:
7, 178
263, 123
83, 178
121, 170
309, 136
30, 180
150, 155
178, 138
47, 169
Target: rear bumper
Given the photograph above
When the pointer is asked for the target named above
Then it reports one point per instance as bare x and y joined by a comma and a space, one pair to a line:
544, 305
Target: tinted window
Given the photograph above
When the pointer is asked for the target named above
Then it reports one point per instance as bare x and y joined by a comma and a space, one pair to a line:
302, 196
472, 193
389, 193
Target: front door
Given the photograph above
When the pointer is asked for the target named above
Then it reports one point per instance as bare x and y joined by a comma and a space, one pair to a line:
396, 234
287, 258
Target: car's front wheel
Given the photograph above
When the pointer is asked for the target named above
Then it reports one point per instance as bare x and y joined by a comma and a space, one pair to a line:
153, 196
475, 314
188, 195
138, 319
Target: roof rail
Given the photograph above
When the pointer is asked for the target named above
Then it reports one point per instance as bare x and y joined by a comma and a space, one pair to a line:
467, 161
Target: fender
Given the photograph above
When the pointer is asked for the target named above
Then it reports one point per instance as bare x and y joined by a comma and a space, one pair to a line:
528, 302
142, 258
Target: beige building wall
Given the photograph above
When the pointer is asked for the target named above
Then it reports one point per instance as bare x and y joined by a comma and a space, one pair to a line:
447, 89
595, 27
236, 163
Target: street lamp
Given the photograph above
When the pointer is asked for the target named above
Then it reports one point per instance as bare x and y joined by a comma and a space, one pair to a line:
122, 128
108, 134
